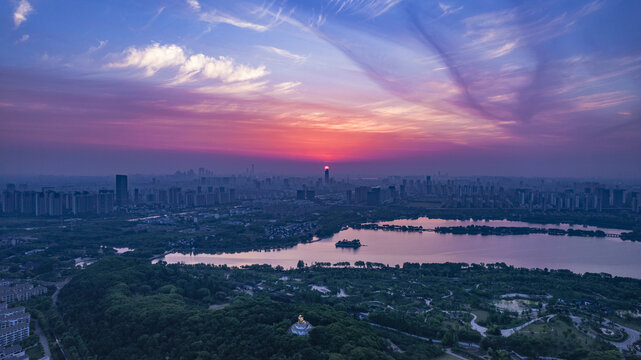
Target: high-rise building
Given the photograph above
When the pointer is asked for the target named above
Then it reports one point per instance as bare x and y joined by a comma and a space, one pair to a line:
326, 175
374, 196
617, 198
348, 196
122, 194
105, 202
175, 196
361, 194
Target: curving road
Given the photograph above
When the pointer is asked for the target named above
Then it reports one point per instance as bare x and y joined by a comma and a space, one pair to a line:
508, 332
43, 340
476, 326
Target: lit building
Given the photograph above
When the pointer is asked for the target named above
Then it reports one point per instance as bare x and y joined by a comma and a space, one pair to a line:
326, 175
301, 327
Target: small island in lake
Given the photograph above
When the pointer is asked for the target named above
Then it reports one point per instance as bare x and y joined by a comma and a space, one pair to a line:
349, 243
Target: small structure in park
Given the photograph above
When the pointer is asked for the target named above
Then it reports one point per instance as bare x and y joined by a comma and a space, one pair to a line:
301, 327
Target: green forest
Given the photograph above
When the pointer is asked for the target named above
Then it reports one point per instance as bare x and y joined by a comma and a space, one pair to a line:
126, 308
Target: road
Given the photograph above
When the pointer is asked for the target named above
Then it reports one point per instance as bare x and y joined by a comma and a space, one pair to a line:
461, 343
476, 326
59, 286
633, 335
54, 299
449, 352
43, 340
508, 332
406, 334
505, 332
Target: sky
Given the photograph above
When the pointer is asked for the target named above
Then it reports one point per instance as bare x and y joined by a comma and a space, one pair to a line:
526, 88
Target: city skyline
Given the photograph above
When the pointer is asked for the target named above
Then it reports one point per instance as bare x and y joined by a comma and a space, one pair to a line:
389, 87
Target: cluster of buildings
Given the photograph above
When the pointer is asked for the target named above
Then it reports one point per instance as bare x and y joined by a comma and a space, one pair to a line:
578, 197
10, 292
14, 324
49, 202
191, 189
14, 321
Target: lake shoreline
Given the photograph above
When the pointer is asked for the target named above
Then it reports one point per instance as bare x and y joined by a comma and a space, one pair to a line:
391, 248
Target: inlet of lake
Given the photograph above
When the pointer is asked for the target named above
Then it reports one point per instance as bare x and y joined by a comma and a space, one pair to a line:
578, 254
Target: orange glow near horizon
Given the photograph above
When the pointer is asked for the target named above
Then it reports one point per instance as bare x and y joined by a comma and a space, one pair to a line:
326, 167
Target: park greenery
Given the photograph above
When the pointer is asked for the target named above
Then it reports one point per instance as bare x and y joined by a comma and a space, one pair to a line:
123, 307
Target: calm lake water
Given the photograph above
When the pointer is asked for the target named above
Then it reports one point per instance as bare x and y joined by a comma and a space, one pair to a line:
578, 254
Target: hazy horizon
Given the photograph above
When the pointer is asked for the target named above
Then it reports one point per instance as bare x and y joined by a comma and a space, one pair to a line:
465, 162
101, 163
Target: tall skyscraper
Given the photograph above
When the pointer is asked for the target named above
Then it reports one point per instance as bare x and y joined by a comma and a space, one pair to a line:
122, 194
326, 175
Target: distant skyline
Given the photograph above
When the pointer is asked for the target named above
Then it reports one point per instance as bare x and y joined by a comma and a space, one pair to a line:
367, 86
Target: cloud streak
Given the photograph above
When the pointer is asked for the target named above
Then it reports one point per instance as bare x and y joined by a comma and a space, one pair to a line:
284, 53
216, 17
193, 4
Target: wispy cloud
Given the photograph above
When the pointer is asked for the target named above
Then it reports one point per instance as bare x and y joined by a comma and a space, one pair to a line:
284, 53
286, 87
372, 8
216, 17
245, 87
154, 18
23, 38
194, 4
449, 9
94, 48
20, 15
503, 50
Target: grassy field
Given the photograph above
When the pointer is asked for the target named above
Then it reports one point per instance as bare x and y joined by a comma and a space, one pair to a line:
564, 334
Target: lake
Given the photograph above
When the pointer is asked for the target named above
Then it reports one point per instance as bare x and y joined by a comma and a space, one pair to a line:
578, 254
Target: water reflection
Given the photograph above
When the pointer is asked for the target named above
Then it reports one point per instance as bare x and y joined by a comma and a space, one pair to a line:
579, 254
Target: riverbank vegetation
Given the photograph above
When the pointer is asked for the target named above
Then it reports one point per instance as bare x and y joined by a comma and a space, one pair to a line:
515, 230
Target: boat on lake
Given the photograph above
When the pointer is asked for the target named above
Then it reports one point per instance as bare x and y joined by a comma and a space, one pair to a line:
349, 243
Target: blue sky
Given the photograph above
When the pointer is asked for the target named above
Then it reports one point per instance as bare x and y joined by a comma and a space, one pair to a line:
326, 82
